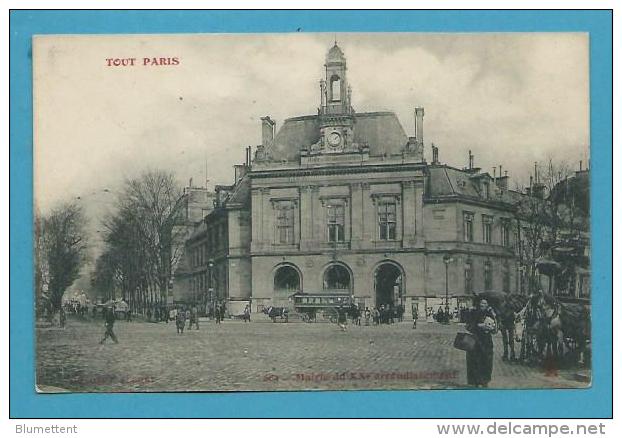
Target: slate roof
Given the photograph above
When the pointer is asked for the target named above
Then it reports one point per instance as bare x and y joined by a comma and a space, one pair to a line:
446, 181
382, 131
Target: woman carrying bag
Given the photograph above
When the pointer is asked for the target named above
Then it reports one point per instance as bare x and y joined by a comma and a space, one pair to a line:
482, 324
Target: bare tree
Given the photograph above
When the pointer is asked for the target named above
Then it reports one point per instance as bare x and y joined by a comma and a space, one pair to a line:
543, 211
144, 240
41, 266
61, 243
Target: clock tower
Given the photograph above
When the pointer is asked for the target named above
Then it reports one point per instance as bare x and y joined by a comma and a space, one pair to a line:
336, 116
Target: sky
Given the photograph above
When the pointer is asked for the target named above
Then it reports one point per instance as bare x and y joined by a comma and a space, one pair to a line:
510, 98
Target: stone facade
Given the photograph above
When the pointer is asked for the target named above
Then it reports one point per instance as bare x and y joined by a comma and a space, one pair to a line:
344, 203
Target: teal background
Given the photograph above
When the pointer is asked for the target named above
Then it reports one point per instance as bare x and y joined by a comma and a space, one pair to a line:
595, 402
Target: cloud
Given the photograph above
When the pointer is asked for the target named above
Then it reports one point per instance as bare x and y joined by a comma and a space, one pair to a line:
511, 98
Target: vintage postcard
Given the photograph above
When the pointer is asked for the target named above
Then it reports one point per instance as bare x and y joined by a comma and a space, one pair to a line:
263, 212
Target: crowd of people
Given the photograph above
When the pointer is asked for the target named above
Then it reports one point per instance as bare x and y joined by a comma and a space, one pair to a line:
384, 314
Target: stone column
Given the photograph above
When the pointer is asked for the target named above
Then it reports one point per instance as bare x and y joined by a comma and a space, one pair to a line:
418, 188
316, 217
267, 217
356, 215
368, 216
306, 215
256, 218
408, 212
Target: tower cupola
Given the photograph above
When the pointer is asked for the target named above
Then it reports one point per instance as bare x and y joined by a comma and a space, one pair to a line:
335, 98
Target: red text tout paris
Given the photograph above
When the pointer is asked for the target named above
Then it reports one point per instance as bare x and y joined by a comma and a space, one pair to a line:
146, 62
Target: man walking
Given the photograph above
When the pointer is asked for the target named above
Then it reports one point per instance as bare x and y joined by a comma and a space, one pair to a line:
109, 319
62, 318
342, 319
194, 318
180, 321
217, 313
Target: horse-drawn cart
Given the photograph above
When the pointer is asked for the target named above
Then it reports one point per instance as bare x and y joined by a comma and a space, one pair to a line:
321, 305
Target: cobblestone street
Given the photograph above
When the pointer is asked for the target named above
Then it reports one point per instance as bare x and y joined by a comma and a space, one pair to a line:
266, 356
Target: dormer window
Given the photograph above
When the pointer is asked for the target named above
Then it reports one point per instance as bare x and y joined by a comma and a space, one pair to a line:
486, 189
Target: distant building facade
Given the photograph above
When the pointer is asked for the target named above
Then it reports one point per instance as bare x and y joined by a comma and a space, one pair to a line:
197, 202
344, 203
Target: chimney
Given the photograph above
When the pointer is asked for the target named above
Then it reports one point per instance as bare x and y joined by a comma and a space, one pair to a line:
240, 171
267, 130
434, 154
502, 181
538, 190
471, 156
419, 125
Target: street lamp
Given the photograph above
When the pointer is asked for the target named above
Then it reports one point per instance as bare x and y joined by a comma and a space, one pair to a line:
210, 289
447, 259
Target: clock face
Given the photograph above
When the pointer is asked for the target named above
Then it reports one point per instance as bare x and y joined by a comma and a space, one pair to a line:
334, 139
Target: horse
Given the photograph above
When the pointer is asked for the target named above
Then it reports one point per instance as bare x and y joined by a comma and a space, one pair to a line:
506, 308
568, 327
554, 329
276, 312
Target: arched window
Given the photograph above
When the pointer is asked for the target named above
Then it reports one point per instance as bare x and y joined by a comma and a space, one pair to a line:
335, 88
287, 278
336, 277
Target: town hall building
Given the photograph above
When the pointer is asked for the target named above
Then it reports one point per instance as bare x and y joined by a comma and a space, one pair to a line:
341, 203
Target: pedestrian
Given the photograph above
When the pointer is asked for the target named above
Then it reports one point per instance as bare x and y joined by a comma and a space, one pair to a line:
128, 315
376, 316
440, 315
222, 312
149, 314
172, 314
482, 324
180, 321
62, 318
357, 313
217, 313
342, 320
109, 319
194, 318
415, 317
247, 313
367, 316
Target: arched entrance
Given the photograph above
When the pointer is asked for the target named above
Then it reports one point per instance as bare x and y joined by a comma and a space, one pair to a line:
389, 285
287, 279
337, 278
